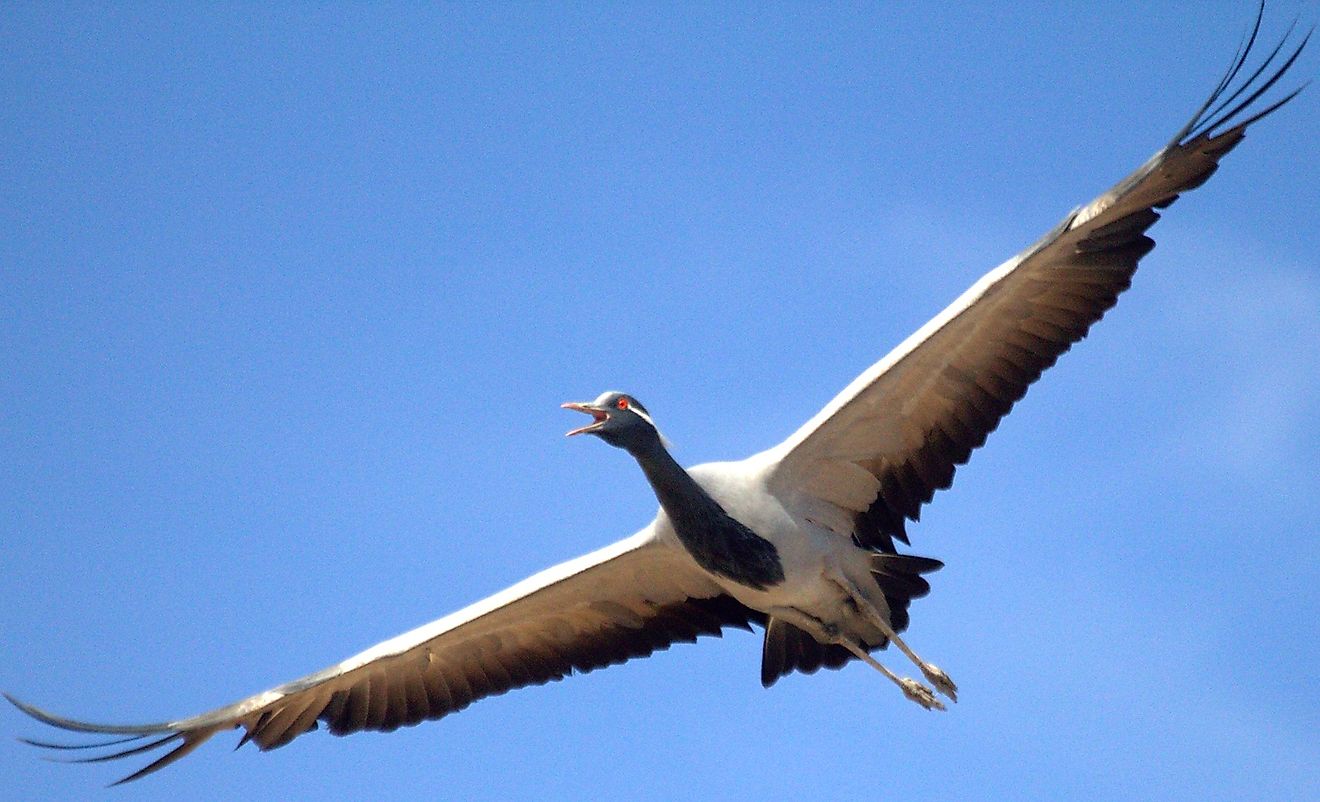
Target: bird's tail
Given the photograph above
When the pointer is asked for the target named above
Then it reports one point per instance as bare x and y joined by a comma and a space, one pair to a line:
900, 579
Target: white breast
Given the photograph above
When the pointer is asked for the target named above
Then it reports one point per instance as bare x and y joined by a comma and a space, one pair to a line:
807, 551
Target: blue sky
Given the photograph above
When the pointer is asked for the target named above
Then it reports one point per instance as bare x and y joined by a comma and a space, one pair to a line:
289, 299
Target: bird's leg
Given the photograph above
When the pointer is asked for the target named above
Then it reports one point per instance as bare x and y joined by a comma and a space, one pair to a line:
911, 688
828, 633
933, 673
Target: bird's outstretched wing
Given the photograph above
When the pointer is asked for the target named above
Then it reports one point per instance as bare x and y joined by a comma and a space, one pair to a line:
626, 600
882, 447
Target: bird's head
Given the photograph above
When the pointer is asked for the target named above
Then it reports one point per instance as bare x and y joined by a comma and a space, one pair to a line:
620, 420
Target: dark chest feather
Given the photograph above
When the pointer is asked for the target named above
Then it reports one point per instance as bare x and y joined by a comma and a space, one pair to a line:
715, 540
725, 547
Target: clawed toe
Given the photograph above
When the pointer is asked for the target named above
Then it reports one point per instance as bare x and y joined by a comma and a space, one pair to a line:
941, 681
920, 694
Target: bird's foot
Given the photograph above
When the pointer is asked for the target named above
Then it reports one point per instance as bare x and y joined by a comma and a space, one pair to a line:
940, 680
920, 694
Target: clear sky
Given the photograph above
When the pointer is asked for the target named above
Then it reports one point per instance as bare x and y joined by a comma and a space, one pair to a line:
289, 300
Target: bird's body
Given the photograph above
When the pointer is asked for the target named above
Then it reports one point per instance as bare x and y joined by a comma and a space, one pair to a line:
814, 561
804, 553
801, 538
765, 542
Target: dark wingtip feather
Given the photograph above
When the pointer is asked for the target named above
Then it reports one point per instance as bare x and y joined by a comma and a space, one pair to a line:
74, 725
136, 750
1205, 124
1234, 67
1270, 109
134, 732
98, 745
180, 751
1223, 86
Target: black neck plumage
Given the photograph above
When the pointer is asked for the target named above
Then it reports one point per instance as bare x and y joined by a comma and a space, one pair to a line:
715, 540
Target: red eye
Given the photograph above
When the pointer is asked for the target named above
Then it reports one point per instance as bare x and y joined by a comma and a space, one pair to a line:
622, 403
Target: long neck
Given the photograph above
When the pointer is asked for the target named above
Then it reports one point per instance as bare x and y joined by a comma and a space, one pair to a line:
679, 494
715, 540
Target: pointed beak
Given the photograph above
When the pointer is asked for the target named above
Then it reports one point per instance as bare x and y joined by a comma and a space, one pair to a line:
599, 416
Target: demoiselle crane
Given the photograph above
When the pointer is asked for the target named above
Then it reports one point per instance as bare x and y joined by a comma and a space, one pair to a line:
799, 539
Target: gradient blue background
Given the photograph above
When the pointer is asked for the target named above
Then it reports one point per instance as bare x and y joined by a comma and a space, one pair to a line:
289, 299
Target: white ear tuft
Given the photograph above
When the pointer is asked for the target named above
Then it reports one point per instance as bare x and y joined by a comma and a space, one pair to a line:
644, 415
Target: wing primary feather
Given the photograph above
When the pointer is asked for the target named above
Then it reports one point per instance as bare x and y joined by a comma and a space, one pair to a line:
1270, 109
137, 750
1211, 125
98, 745
1240, 56
74, 725
182, 750
1235, 66
1228, 101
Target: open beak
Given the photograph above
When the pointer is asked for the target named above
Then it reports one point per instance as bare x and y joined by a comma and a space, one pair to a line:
599, 416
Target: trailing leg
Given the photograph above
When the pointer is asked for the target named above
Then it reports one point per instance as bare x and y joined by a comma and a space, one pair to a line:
911, 688
779, 628
899, 575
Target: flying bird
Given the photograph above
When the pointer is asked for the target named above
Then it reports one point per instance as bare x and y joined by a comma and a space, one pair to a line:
801, 539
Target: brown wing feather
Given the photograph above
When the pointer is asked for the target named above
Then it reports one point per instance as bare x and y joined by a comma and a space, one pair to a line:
628, 600
921, 411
